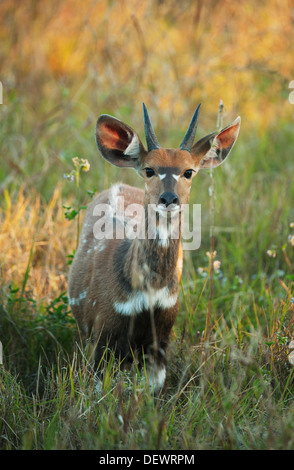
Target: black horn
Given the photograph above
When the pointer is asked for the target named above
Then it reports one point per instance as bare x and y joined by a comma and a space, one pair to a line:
190, 134
151, 140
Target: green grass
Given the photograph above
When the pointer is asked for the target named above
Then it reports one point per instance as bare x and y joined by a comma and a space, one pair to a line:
230, 389
234, 392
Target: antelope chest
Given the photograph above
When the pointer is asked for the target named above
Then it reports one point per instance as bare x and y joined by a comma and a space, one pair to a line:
139, 301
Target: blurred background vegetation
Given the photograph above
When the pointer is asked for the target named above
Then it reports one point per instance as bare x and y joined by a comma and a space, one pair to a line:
62, 64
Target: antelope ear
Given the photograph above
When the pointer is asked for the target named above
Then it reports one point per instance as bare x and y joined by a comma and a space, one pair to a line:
212, 150
118, 143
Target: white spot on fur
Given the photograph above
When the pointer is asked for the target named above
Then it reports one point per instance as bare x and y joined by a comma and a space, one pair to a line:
162, 176
102, 245
83, 294
157, 377
73, 301
163, 242
116, 202
176, 177
114, 193
77, 300
163, 234
146, 300
167, 230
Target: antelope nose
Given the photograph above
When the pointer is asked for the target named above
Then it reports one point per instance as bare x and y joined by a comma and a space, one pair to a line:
168, 198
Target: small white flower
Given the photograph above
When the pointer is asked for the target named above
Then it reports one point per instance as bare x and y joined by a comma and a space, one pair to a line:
85, 165
216, 265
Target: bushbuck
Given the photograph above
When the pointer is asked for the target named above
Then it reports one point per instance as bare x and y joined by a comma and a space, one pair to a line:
123, 290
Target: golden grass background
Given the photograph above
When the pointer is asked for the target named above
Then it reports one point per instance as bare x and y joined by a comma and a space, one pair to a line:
64, 63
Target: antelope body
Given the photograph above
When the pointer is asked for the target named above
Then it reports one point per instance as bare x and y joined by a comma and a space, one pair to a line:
123, 291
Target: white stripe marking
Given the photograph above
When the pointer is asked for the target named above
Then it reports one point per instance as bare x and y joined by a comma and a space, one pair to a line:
77, 300
146, 300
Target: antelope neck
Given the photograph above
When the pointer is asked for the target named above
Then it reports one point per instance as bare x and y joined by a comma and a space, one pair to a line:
151, 262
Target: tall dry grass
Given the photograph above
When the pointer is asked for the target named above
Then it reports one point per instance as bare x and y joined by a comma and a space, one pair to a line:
35, 237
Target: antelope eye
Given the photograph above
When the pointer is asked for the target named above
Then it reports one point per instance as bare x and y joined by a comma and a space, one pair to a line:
188, 174
149, 172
